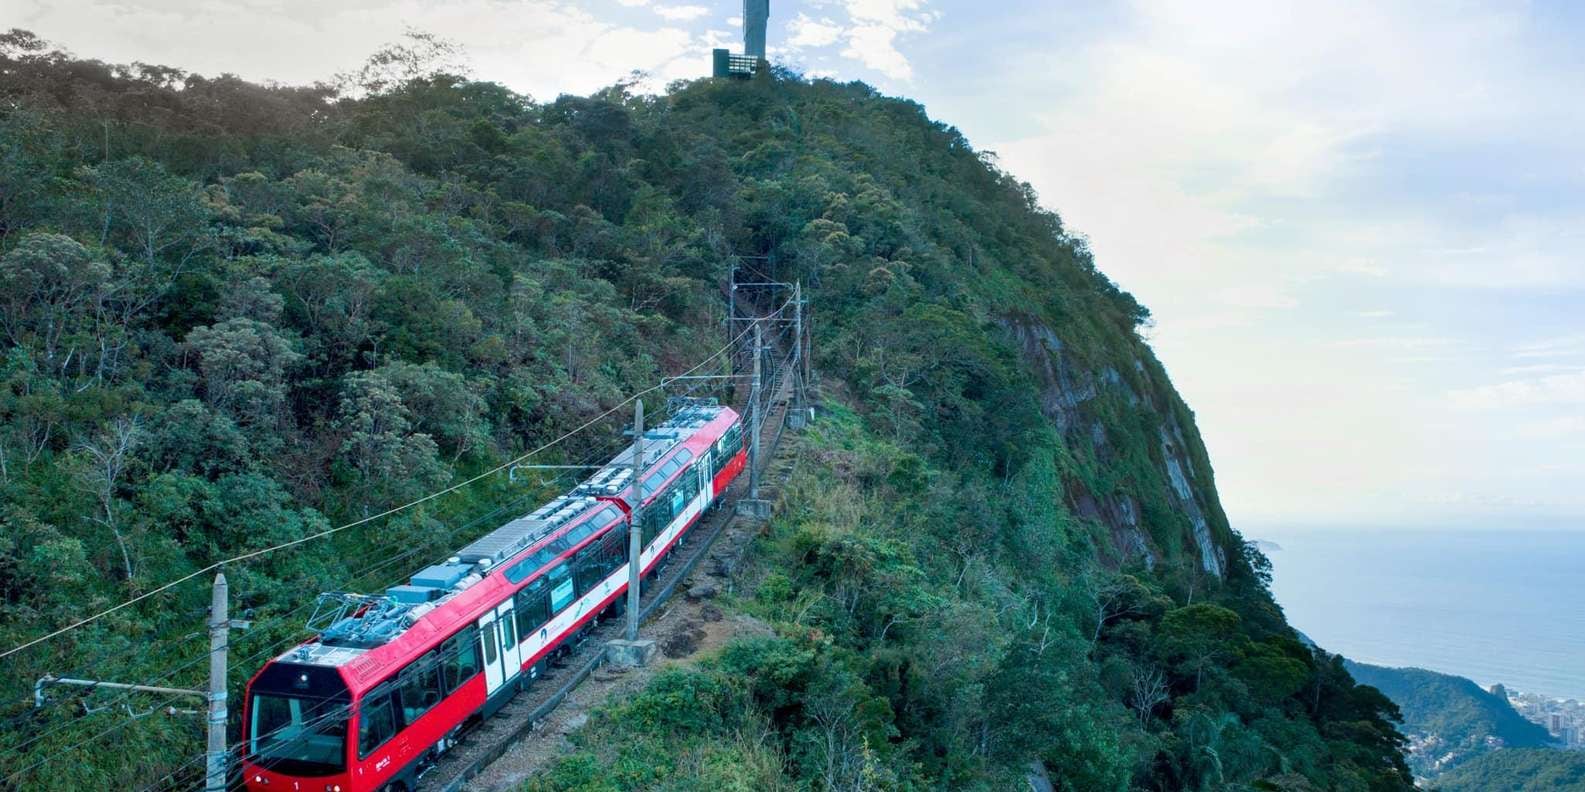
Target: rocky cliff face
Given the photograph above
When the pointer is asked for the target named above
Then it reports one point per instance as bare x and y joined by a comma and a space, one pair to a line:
1082, 400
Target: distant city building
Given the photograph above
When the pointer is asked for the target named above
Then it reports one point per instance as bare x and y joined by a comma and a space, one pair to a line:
1564, 719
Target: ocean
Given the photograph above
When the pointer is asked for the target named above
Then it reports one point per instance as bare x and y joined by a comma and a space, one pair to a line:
1493, 606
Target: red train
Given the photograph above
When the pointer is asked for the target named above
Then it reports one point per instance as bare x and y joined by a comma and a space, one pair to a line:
391, 680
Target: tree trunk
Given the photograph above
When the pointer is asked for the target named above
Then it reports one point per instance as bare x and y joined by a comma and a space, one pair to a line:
126, 557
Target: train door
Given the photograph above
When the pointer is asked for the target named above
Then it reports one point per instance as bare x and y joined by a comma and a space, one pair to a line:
704, 469
489, 635
511, 654
502, 659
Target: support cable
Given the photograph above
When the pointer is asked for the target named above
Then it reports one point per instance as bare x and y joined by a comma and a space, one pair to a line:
361, 521
271, 648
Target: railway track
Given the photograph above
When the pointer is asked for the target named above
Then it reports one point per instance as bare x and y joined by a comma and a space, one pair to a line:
520, 717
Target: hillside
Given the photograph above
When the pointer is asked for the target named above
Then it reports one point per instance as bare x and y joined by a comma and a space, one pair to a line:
1449, 718
237, 315
1518, 770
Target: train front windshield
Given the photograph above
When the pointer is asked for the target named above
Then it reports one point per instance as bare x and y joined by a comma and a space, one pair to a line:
297, 735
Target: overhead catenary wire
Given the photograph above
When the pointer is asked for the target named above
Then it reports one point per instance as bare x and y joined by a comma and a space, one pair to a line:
257, 627
267, 650
245, 662
160, 783
778, 365
169, 674
371, 518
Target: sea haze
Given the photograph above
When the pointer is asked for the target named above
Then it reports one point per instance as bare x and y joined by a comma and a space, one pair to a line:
1494, 606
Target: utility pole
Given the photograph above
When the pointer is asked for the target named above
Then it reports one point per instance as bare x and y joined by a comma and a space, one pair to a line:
755, 409
635, 543
219, 638
731, 323
797, 355
807, 340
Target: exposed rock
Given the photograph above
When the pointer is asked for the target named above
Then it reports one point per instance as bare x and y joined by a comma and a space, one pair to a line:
1065, 393
1213, 558
684, 641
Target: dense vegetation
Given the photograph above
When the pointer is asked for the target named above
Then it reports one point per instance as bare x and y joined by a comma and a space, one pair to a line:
1462, 716
237, 315
1517, 770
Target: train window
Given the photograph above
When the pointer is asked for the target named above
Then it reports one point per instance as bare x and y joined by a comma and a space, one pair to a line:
586, 568
508, 634
560, 588
601, 558
376, 721
533, 607
460, 655
652, 484
655, 516
489, 644
616, 541
520, 571
420, 688
677, 500
298, 736
583, 531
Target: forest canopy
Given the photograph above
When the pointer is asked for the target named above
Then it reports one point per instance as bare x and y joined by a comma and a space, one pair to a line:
235, 315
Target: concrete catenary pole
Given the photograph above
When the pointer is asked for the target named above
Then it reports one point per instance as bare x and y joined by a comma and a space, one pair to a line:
754, 414
731, 322
635, 539
808, 342
798, 346
219, 638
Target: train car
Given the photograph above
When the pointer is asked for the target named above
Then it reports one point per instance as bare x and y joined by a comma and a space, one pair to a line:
391, 680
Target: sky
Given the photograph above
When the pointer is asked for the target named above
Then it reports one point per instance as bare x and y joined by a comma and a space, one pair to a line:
1360, 225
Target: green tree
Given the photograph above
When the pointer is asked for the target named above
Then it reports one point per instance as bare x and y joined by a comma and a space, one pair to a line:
1198, 637
390, 460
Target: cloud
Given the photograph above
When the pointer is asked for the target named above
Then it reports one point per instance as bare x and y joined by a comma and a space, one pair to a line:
1553, 428
875, 47
1362, 266
1552, 389
1567, 346
682, 12
1271, 178
806, 32
540, 47
868, 31
1256, 296
1396, 343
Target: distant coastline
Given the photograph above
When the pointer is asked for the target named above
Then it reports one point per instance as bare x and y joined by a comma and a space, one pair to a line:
1495, 606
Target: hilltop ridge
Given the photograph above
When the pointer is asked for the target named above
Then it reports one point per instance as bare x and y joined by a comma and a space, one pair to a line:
284, 308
